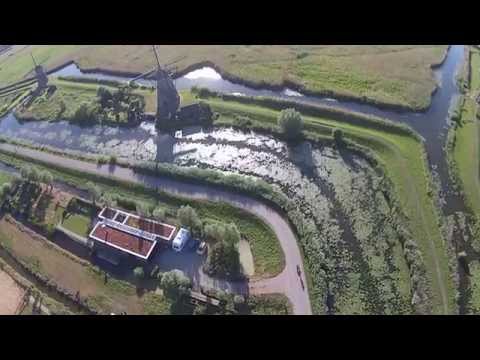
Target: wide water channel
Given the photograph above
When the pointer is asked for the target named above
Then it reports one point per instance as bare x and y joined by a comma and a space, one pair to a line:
334, 189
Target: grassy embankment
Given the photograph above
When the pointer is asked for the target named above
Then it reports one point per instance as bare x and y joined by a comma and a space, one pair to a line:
464, 154
403, 159
393, 75
268, 256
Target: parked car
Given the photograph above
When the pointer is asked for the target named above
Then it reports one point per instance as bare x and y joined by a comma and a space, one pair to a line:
202, 248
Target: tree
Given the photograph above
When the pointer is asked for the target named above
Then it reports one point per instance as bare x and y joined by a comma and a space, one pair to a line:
47, 178
16, 181
175, 284
143, 209
291, 123
188, 218
200, 309
109, 200
239, 301
104, 96
338, 136
231, 235
4, 191
159, 213
139, 273
94, 191
214, 232
84, 113
223, 261
30, 173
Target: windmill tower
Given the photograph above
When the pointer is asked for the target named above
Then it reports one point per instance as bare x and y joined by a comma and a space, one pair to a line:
40, 74
168, 99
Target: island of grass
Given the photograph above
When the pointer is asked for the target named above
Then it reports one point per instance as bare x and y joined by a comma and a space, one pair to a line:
87, 103
397, 75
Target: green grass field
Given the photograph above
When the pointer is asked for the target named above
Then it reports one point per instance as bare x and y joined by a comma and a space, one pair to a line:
403, 159
396, 74
77, 223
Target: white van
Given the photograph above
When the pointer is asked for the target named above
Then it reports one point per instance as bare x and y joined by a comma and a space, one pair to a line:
181, 239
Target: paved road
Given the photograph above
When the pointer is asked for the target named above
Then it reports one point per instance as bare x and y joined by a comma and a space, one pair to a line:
287, 282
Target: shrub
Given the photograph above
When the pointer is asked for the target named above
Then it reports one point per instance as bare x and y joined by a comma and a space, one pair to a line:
202, 92
243, 121
86, 112
291, 123
231, 235
188, 218
138, 272
302, 55
239, 301
112, 160
102, 160
159, 213
214, 232
175, 284
30, 173
224, 261
94, 191
143, 209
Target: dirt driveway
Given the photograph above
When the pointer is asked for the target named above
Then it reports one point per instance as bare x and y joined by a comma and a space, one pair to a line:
10, 294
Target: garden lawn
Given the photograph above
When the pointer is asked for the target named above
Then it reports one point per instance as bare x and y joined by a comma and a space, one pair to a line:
77, 223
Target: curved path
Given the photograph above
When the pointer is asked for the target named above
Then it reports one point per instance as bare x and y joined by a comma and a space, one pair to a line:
287, 282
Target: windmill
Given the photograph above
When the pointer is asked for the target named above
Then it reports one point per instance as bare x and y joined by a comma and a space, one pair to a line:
168, 99
40, 74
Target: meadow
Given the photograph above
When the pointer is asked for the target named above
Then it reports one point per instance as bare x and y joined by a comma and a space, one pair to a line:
391, 75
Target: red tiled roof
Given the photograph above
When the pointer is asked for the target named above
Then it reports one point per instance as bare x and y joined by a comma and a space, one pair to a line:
123, 240
155, 228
